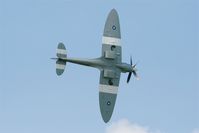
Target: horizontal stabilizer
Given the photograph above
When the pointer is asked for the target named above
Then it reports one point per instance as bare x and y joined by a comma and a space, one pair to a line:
61, 51
60, 66
60, 63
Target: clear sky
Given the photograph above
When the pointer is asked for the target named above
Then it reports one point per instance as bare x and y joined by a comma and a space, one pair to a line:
162, 35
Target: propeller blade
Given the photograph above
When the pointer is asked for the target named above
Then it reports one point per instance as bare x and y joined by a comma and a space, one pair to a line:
134, 73
136, 76
134, 66
129, 77
131, 60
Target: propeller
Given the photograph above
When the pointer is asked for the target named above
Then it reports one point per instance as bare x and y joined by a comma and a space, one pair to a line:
129, 77
134, 71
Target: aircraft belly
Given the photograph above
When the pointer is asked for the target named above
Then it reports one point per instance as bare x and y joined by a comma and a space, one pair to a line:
110, 51
107, 103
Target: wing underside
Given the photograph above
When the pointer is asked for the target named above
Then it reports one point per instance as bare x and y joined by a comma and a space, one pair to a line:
108, 89
110, 77
111, 40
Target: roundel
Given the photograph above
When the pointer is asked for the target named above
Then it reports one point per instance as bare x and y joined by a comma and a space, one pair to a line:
108, 103
114, 27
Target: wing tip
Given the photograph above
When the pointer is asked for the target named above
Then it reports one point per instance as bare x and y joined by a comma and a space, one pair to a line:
114, 11
107, 103
105, 119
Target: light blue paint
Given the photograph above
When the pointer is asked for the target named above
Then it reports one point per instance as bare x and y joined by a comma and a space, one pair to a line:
162, 35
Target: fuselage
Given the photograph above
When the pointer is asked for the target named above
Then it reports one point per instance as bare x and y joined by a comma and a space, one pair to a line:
100, 63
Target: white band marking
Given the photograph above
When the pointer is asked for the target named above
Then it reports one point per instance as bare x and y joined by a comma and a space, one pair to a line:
108, 89
60, 66
111, 41
61, 51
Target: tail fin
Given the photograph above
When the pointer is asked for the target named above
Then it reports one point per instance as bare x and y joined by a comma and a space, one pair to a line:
60, 63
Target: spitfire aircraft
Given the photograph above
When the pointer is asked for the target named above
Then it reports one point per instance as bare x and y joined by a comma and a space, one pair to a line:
109, 63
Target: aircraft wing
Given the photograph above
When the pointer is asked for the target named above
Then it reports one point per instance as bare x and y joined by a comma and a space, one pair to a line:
111, 54
108, 88
111, 40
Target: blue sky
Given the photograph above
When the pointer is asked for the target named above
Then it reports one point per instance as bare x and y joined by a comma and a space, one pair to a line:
162, 35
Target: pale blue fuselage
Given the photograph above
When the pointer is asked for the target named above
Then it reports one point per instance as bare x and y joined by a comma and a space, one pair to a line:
100, 63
